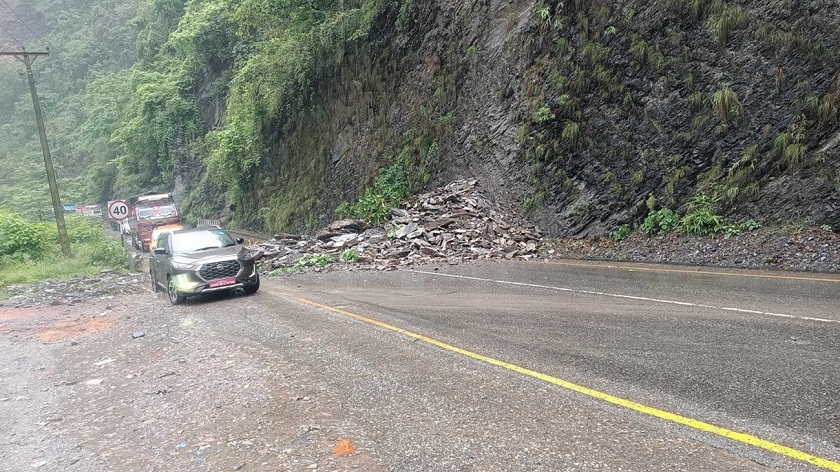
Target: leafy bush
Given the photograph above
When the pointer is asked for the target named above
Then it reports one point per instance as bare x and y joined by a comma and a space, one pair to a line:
105, 252
701, 219
543, 114
29, 252
20, 238
308, 260
623, 232
662, 221
393, 184
750, 225
349, 255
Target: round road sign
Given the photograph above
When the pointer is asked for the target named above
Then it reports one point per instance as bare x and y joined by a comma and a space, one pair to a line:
118, 210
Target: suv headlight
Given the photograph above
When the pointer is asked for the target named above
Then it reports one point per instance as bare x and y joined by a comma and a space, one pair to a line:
183, 265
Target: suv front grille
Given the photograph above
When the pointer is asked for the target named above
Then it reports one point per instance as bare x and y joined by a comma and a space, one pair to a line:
219, 270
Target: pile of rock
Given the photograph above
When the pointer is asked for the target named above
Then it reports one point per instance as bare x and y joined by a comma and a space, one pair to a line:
108, 285
454, 223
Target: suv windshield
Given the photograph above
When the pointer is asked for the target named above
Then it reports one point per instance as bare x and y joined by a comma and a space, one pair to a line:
152, 213
201, 240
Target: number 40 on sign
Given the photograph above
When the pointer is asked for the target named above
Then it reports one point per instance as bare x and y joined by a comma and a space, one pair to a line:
118, 209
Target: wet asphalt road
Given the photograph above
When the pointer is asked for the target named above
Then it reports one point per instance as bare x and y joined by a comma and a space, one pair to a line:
771, 370
408, 365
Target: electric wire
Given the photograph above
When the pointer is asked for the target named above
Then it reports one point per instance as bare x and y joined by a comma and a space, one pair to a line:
12, 65
13, 37
21, 20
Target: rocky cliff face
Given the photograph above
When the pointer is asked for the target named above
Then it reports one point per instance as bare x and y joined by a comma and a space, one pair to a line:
576, 112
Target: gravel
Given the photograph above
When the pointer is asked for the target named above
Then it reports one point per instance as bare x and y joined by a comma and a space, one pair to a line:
811, 249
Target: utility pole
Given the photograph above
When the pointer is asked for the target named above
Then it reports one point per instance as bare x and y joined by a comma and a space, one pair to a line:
28, 59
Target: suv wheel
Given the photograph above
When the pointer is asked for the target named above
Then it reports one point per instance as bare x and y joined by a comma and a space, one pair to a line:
252, 288
174, 297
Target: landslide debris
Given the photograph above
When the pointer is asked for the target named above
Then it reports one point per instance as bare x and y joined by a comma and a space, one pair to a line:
454, 224
461, 222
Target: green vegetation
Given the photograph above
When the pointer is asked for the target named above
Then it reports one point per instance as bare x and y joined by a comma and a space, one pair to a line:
286, 108
390, 187
308, 260
661, 221
30, 251
621, 233
729, 18
701, 219
726, 106
543, 114
350, 254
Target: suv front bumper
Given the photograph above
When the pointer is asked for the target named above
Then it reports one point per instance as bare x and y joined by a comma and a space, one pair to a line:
188, 282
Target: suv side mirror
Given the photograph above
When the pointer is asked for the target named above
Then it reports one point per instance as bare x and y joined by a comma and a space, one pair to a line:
160, 250
240, 241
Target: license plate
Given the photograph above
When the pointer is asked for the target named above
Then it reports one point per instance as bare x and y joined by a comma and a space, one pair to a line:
222, 282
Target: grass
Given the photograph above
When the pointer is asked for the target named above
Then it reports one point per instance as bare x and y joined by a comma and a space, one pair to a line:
30, 252
721, 25
534, 202
56, 267
646, 53
571, 133
726, 106
349, 255
701, 219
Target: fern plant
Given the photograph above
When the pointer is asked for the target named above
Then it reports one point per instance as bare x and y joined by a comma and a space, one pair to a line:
701, 219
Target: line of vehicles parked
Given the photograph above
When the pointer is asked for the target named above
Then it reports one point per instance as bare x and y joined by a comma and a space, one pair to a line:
146, 214
185, 261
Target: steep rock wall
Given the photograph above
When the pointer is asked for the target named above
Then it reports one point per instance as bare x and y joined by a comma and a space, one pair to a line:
575, 113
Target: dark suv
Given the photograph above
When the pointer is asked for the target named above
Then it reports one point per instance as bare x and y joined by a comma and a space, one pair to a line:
202, 260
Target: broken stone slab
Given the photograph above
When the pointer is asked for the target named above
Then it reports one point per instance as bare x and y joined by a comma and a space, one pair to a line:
406, 230
345, 237
337, 228
442, 223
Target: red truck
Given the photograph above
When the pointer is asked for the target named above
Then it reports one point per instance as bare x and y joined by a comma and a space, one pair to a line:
147, 212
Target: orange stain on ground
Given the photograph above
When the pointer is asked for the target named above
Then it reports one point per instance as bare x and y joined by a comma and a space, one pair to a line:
344, 447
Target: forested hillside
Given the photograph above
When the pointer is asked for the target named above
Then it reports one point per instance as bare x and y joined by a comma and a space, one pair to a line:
582, 115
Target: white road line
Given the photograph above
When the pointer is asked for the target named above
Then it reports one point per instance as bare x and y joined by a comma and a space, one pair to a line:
632, 297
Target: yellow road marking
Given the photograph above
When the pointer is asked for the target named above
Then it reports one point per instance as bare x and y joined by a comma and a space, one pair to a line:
685, 271
648, 410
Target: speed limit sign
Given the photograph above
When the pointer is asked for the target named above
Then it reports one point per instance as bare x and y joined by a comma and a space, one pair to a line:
118, 210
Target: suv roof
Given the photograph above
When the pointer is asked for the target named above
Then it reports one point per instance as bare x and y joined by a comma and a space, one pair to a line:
196, 230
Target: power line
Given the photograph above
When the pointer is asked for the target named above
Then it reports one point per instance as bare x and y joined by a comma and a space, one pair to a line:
10, 34
12, 65
21, 20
